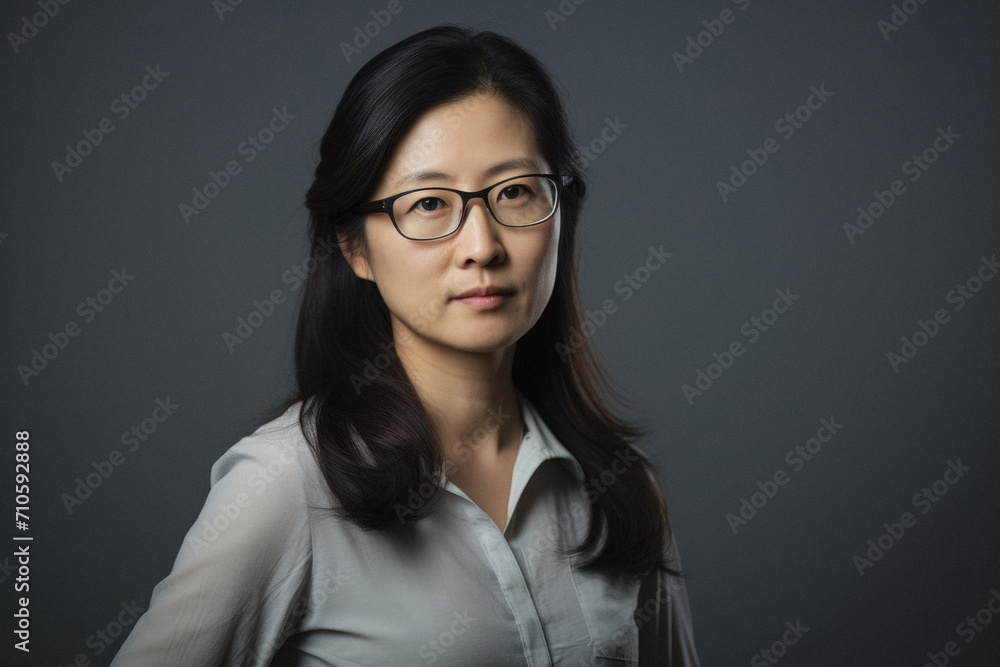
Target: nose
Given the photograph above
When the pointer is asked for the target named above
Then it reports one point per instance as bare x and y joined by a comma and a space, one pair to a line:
479, 235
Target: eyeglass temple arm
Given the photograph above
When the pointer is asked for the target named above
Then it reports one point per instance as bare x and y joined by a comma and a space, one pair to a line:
380, 206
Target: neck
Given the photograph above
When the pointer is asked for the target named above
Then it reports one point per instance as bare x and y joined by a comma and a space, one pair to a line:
469, 396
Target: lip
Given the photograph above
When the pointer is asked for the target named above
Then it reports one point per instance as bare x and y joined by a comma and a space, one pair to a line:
488, 290
484, 298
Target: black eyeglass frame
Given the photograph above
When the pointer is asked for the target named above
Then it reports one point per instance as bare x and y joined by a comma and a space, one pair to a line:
385, 205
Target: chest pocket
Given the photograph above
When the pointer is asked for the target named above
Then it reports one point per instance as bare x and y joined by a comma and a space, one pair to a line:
608, 604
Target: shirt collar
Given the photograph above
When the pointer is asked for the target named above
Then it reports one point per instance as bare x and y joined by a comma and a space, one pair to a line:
538, 434
538, 444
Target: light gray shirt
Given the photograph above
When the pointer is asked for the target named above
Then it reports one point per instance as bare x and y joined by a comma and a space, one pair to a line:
267, 576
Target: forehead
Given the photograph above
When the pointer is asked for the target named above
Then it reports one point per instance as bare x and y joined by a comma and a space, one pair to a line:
464, 141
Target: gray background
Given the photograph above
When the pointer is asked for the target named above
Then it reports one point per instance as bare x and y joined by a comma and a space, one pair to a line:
162, 336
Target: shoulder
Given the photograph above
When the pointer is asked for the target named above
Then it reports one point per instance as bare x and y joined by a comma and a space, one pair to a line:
275, 460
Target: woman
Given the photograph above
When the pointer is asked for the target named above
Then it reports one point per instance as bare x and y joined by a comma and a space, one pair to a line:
447, 485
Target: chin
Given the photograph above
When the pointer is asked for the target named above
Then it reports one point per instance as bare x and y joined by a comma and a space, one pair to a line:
483, 339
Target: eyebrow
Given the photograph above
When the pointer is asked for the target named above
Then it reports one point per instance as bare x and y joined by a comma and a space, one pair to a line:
515, 163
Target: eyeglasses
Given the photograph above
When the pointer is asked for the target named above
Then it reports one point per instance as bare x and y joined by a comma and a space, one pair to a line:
427, 214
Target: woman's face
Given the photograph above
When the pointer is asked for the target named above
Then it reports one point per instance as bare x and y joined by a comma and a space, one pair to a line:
467, 145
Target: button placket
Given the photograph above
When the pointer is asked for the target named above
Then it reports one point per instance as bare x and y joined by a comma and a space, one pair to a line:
513, 585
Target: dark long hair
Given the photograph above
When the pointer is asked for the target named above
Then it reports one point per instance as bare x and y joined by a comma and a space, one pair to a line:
371, 434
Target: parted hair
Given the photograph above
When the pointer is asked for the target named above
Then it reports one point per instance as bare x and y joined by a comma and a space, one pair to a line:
371, 434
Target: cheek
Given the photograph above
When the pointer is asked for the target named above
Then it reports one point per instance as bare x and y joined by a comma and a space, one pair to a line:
408, 278
550, 255
544, 263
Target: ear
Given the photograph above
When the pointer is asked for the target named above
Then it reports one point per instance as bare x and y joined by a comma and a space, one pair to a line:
355, 255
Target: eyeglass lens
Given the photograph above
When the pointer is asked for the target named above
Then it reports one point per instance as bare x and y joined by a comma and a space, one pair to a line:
429, 213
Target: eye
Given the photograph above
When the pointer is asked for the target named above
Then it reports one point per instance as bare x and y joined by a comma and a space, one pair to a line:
429, 204
514, 191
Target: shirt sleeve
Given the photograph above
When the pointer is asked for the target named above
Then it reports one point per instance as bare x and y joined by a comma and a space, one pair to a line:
234, 592
666, 635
